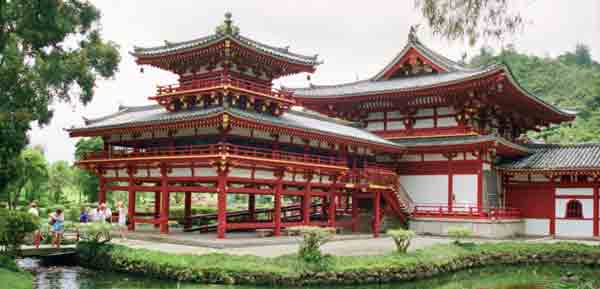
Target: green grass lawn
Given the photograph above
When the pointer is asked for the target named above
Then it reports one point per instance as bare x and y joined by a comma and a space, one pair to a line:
15, 280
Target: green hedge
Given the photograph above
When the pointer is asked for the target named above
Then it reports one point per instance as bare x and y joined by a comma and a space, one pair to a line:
287, 270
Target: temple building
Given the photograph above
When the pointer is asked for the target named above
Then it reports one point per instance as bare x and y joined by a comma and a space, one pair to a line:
426, 141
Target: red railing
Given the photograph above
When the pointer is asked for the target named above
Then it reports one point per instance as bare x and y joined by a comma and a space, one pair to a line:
236, 150
222, 81
465, 211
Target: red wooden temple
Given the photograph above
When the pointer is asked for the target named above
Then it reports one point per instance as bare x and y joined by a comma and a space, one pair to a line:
426, 140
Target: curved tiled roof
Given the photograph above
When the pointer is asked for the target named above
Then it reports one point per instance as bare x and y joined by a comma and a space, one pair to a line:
557, 157
226, 33
369, 86
305, 120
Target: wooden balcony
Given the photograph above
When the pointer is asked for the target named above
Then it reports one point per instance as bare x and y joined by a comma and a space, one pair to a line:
465, 212
214, 151
200, 85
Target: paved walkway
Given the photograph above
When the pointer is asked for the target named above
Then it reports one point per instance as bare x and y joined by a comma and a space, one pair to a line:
345, 247
370, 246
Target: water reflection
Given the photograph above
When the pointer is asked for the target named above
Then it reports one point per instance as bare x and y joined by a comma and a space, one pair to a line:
523, 277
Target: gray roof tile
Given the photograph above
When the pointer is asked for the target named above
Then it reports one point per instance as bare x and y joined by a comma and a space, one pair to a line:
303, 119
557, 157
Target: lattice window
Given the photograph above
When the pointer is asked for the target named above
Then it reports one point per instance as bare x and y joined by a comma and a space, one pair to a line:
574, 210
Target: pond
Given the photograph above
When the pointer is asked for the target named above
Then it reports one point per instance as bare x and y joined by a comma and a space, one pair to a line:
506, 277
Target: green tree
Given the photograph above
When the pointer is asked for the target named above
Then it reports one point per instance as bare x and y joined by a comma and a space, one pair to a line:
563, 81
471, 19
31, 176
60, 176
50, 50
86, 181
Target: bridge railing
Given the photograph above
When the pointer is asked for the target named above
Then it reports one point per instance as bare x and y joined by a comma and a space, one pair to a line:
465, 211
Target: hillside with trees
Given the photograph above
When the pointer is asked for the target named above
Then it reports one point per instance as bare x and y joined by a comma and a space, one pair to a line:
569, 81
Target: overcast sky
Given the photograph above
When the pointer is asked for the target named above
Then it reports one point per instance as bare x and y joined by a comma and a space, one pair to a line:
354, 38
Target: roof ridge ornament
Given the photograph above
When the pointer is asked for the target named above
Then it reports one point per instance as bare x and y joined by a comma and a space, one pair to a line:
227, 28
412, 34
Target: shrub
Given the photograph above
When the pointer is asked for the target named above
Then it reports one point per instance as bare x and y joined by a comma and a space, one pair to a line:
310, 246
14, 227
401, 238
8, 263
459, 233
95, 233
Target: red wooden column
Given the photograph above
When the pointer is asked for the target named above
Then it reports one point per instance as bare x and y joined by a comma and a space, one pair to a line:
277, 209
450, 156
480, 179
377, 212
252, 207
332, 204
156, 207
131, 201
187, 210
354, 213
553, 209
596, 209
222, 201
306, 205
101, 190
164, 204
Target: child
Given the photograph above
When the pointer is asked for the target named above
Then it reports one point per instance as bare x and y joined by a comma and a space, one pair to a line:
84, 217
122, 222
57, 221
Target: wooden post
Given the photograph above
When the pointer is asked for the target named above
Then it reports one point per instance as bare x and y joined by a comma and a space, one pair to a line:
187, 210
156, 207
377, 212
252, 207
277, 209
131, 201
596, 211
222, 203
131, 209
355, 223
164, 204
101, 190
306, 205
332, 204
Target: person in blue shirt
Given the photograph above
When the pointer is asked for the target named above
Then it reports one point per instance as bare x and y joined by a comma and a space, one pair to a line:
84, 216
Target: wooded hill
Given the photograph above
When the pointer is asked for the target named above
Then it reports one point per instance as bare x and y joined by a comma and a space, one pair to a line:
570, 81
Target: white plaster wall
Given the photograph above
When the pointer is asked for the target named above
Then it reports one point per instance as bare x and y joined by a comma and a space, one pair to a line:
396, 124
575, 191
423, 123
537, 178
377, 125
574, 228
375, 115
430, 189
262, 174
155, 172
537, 227
425, 112
110, 173
394, 114
180, 172
141, 173
588, 207
464, 188
446, 122
205, 172
411, 158
434, 157
445, 110
240, 173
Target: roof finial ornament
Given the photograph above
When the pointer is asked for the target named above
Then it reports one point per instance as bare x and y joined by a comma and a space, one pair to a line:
412, 34
227, 27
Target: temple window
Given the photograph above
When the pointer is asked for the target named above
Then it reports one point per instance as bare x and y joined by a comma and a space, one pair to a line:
574, 210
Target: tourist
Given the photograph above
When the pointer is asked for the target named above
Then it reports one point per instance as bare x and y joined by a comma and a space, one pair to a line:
57, 221
84, 216
122, 222
107, 213
37, 236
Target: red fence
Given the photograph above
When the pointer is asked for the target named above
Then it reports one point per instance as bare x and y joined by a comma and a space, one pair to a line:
463, 211
222, 81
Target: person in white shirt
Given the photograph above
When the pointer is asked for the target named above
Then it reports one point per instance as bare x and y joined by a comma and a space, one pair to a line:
36, 213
